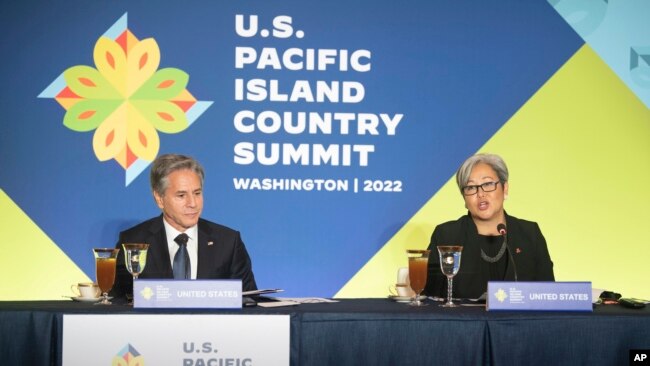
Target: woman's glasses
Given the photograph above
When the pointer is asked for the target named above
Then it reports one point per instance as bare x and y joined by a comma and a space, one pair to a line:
486, 187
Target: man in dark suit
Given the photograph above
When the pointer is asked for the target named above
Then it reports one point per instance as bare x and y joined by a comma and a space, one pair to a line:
181, 244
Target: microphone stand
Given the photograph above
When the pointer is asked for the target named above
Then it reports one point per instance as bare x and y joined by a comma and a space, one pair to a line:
512, 259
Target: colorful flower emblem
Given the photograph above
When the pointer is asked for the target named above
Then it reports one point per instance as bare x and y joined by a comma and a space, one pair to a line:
125, 99
147, 293
501, 295
128, 356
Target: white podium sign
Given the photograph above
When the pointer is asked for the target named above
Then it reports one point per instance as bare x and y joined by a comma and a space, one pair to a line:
183, 340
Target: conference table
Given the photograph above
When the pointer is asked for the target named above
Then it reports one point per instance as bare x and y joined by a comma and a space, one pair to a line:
378, 332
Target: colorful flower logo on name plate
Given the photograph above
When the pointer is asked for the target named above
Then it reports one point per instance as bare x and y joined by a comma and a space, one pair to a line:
125, 99
147, 293
128, 356
501, 295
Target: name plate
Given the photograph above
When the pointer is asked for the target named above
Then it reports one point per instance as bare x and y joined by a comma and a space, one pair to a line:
179, 339
540, 296
206, 294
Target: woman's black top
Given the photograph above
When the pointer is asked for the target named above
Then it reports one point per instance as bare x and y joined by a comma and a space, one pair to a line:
526, 258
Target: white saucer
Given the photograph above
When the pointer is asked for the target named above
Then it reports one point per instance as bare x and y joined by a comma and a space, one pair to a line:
87, 299
405, 298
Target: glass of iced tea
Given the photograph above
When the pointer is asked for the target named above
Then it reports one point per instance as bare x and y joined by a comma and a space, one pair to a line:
418, 266
105, 260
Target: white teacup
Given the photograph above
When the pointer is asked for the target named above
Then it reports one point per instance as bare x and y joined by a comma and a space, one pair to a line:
401, 289
403, 275
86, 290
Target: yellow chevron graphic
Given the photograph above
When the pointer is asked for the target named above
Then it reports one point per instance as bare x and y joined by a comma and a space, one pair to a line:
578, 153
33, 267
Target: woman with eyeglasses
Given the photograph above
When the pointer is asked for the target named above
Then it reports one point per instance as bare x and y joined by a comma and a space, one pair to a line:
496, 246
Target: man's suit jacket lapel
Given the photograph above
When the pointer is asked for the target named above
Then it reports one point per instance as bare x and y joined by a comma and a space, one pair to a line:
205, 259
158, 252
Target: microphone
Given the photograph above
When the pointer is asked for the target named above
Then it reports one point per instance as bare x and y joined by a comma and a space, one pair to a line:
501, 228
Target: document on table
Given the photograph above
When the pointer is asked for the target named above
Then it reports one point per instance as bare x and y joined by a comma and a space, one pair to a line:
292, 301
261, 292
277, 303
305, 300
